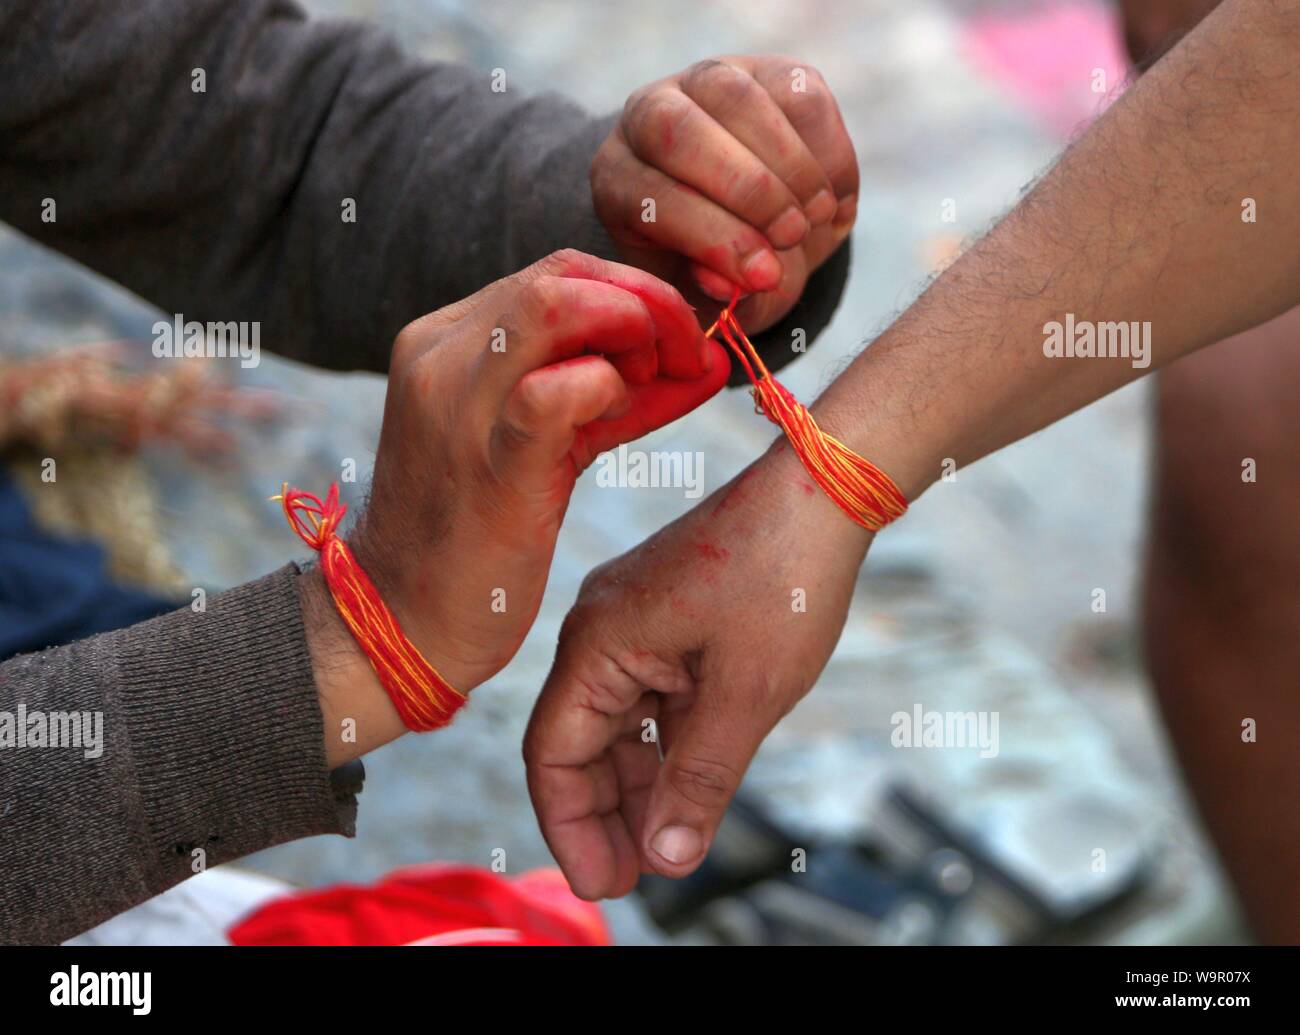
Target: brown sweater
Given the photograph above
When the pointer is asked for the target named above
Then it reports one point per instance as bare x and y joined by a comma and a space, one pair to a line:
225, 204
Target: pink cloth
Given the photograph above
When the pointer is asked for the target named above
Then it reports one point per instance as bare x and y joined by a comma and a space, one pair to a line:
1048, 59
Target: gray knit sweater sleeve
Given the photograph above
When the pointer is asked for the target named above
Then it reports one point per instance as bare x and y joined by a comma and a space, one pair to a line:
234, 160
210, 746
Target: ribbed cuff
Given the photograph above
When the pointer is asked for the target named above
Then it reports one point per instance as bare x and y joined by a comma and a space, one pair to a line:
225, 730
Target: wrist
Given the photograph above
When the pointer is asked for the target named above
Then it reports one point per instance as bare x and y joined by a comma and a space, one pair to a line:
406, 592
356, 713
791, 499
871, 412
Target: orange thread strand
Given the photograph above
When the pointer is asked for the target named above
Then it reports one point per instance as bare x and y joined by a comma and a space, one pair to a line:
858, 487
423, 699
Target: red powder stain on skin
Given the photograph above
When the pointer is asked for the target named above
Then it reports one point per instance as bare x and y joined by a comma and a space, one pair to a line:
711, 552
614, 337
808, 487
422, 587
666, 139
682, 605
736, 493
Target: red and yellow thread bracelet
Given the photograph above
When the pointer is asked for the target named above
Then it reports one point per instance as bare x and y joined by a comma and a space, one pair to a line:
858, 487
423, 699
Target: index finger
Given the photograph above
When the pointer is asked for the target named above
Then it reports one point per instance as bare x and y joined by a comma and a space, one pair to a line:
572, 782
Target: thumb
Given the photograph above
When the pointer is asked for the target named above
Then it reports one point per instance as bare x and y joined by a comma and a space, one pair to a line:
701, 772
539, 423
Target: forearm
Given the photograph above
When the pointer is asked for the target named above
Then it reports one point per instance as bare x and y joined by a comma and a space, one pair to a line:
356, 712
1140, 222
321, 182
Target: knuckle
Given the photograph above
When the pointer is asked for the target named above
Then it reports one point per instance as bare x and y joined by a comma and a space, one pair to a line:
654, 116
574, 622
539, 750
789, 66
815, 78
634, 100
776, 699
530, 750
538, 299
701, 71
782, 73
718, 85
408, 344
542, 291
594, 584
560, 262
809, 105
527, 412
534, 746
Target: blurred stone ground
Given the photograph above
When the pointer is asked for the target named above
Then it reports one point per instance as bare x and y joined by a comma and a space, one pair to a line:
980, 600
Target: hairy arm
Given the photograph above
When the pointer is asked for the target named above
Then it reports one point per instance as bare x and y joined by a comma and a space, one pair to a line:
1140, 221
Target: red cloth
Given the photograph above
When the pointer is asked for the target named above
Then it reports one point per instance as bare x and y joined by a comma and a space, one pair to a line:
437, 904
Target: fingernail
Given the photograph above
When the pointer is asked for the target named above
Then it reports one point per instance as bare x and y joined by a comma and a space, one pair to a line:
788, 229
847, 211
821, 208
762, 270
678, 845
716, 287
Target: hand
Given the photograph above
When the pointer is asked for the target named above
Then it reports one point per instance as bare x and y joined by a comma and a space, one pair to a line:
753, 177
495, 405
697, 629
